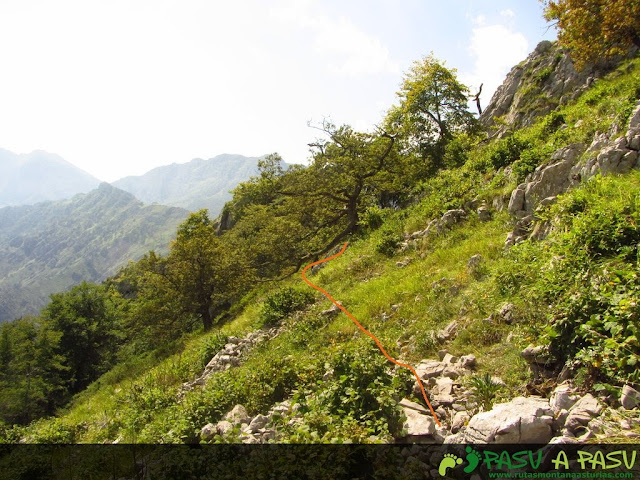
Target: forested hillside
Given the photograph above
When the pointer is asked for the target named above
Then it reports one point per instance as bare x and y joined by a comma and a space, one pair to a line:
193, 185
498, 256
48, 247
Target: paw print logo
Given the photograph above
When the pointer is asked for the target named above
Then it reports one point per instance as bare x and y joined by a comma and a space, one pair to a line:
451, 461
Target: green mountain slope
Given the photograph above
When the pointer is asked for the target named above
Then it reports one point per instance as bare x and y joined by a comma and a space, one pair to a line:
194, 185
39, 176
523, 252
48, 247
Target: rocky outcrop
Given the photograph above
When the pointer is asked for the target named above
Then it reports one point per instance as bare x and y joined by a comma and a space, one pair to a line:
567, 417
435, 226
522, 420
547, 180
533, 88
231, 355
238, 426
568, 167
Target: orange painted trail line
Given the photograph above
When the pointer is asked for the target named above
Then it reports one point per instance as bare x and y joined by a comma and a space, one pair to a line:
424, 393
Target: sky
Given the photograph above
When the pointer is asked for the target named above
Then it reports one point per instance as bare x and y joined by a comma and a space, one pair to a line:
119, 87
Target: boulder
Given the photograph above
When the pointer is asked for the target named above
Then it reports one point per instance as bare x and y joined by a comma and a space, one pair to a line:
581, 413
474, 262
429, 368
484, 215
522, 420
223, 427
448, 332
238, 414
537, 354
630, 397
258, 422
419, 423
467, 361
460, 419
507, 313
616, 160
208, 432
451, 217
563, 397
332, 310
449, 359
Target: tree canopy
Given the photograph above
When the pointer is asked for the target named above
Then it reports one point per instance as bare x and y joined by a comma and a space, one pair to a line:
287, 218
433, 107
595, 29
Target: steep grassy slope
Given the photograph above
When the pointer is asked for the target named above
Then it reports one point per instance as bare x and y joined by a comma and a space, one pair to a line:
587, 266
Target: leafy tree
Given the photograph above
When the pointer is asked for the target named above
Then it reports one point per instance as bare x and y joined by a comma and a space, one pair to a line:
206, 272
150, 309
89, 333
433, 108
305, 212
595, 29
31, 380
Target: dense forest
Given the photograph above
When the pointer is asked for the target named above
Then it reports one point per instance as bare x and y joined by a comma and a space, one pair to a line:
108, 362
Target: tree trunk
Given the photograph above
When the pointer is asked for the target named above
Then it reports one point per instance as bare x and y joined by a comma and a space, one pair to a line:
207, 320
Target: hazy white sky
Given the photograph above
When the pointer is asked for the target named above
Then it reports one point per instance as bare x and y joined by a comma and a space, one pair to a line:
121, 86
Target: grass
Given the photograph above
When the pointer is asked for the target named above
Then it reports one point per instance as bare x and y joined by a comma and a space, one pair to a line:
137, 401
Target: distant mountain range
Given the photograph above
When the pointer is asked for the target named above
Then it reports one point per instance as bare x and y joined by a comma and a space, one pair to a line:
50, 246
193, 185
40, 176
53, 234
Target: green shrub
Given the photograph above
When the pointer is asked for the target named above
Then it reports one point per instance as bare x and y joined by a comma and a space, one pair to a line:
507, 150
587, 273
359, 400
284, 302
484, 390
372, 218
212, 346
388, 243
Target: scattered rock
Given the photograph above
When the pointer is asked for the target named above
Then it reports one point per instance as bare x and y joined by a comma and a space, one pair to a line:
403, 263
223, 427
448, 332
630, 397
257, 423
563, 397
460, 419
451, 217
467, 361
331, 311
537, 355
238, 414
420, 423
208, 432
522, 420
474, 262
484, 215
429, 368
507, 313
581, 413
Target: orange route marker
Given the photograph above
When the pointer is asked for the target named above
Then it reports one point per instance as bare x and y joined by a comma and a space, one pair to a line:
424, 393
